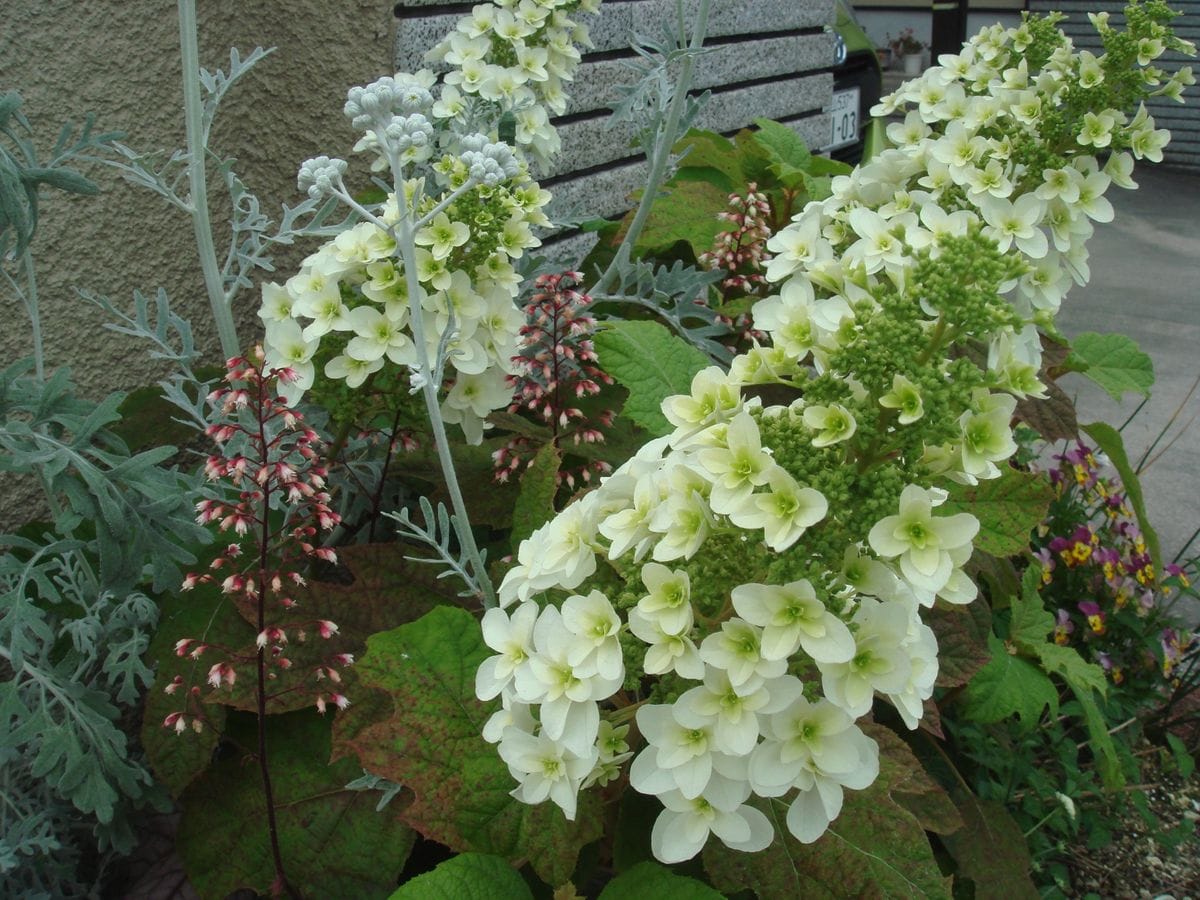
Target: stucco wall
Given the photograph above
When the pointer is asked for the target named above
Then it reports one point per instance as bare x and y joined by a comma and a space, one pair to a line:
120, 59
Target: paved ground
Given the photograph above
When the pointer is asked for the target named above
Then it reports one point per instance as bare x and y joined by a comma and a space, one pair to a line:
1146, 284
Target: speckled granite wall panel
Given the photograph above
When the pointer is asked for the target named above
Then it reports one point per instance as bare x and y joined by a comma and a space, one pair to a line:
610, 30
592, 142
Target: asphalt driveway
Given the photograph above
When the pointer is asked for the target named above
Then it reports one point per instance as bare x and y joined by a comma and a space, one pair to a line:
1146, 284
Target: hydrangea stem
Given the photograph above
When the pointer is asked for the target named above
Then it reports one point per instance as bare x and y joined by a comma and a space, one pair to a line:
660, 153
193, 108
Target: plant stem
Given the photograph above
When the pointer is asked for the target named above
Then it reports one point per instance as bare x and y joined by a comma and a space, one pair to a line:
35, 319
660, 153
377, 498
405, 234
193, 108
281, 881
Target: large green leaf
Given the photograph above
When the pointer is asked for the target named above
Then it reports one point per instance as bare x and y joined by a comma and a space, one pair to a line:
687, 211
789, 154
422, 730
709, 150
207, 615
535, 503
468, 876
651, 881
990, 850
652, 364
877, 847
332, 840
1007, 508
1108, 439
1113, 361
1009, 684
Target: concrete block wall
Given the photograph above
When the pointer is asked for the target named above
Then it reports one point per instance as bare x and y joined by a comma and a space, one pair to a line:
769, 58
1182, 120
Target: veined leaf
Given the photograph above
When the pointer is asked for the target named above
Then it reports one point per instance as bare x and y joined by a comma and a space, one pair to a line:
990, 850
1007, 508
333, 841
1009, 684
651, 881
961, 633
1113, 361
652, 364
422, 729
468, 876
687, 211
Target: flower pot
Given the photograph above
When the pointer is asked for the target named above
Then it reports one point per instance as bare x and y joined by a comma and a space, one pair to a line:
913, 63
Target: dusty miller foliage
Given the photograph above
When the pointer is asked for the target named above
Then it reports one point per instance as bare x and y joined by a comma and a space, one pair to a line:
75, 621
253, 234
678, 296
75, 614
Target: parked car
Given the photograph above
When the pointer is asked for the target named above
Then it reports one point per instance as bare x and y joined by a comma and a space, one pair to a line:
857, 84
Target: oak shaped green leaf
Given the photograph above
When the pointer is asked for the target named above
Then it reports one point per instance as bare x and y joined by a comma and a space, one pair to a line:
1009, 684
652, 364
422, 729
1113, 361
877, 846
1007, 508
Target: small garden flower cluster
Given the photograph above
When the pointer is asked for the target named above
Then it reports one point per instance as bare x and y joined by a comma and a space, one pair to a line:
352, 304
1092, 548
513, 59
741, 251
555, 368
273, 465
745, 586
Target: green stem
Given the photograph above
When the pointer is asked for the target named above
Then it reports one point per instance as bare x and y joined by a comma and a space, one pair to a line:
39, 362
660, 154
193, 108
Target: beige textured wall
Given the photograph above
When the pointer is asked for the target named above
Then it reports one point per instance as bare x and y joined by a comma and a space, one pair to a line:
120, 59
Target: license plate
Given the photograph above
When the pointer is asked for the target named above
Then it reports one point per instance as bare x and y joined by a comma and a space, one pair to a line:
843, 110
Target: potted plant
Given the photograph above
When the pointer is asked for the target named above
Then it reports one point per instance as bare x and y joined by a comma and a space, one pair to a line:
909, 50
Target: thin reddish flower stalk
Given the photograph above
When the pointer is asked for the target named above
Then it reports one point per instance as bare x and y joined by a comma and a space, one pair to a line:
283, 465
281, 881
741, 252
557, 366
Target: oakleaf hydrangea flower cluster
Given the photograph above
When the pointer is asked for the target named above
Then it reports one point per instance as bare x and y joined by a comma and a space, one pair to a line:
352, 305
511, 61
426, 281
745, 587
